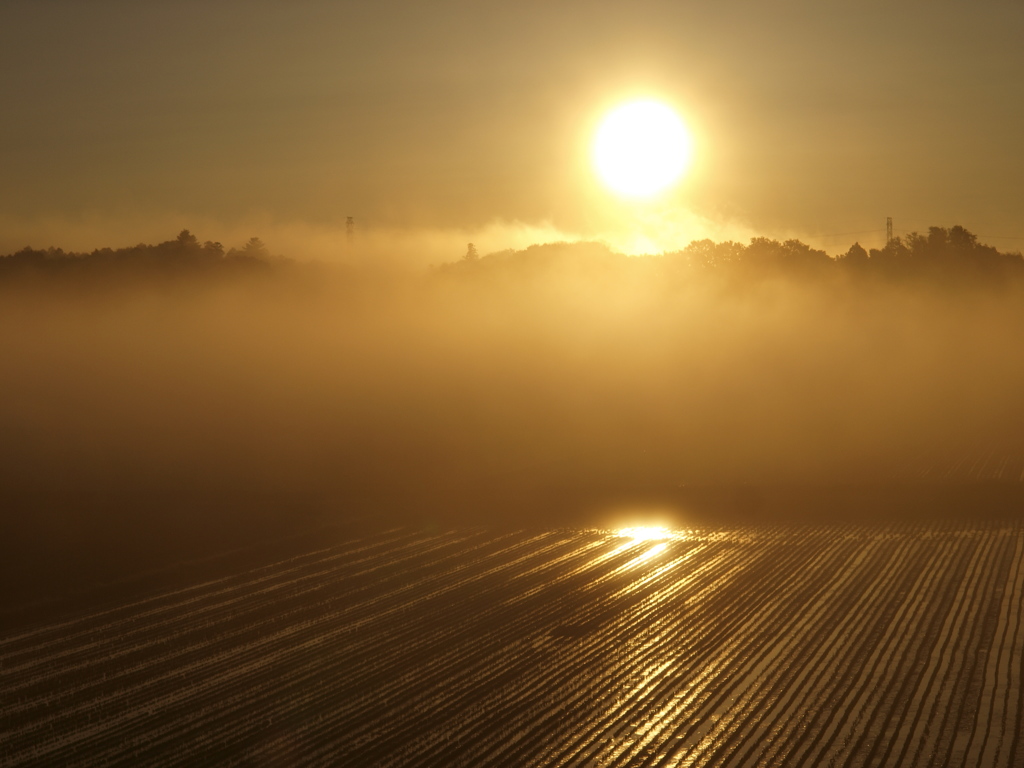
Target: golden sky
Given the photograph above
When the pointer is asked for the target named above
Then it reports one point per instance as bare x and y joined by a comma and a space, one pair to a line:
459, 120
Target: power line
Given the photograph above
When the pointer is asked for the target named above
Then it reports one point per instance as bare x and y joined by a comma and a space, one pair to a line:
843, 234
849, 234
979, 236
889, 229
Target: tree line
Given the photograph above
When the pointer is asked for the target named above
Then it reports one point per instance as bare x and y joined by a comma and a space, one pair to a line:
941, 254
951, 255
953, 252
184, 254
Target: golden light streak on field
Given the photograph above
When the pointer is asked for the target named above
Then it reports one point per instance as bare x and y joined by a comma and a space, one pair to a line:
647, 554
744, 647
649, 533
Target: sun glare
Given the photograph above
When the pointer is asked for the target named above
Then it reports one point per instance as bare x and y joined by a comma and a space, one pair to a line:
641, 148
649, 533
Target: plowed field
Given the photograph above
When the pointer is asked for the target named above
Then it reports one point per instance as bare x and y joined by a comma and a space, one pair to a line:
742, 647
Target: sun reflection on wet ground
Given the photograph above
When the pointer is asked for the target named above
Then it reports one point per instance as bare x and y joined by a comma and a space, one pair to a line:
624, 646
648, 533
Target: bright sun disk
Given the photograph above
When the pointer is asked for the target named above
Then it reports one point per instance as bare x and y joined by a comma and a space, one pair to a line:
641, 148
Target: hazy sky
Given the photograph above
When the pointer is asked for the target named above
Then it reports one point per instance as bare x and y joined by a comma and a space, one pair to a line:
126, 121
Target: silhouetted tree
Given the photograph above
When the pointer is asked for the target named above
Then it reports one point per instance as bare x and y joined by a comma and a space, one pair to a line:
707, 254
856, 257
764, 254
956, 254
894, 259
213, 248
253, 249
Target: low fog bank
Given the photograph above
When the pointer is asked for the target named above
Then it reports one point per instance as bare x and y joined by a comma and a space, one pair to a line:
522, 388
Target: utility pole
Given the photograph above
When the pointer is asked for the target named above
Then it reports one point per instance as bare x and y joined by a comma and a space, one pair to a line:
888, 229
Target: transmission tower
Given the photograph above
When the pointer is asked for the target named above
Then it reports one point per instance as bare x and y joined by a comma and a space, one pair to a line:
888, 229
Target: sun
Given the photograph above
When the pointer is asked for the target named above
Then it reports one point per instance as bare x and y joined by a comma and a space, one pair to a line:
641, 148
